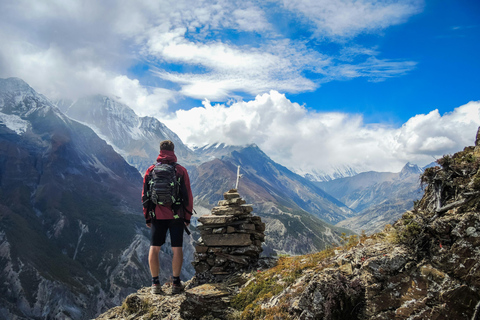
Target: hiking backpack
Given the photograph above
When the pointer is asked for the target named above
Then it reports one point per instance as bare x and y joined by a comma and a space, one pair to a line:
164, 185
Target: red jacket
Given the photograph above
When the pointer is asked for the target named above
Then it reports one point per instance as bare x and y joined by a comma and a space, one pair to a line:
166, 212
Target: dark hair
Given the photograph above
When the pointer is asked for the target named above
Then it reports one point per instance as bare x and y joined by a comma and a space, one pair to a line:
167, 145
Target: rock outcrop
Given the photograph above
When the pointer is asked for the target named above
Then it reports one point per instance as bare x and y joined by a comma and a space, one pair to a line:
425, 266
231, 240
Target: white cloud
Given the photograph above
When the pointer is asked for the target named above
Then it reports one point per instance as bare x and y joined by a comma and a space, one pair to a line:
232, 69
348, 18
73, 48
433, 134
145, 102
372, 68
294, 136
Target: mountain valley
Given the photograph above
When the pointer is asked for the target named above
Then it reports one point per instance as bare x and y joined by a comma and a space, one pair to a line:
71, 230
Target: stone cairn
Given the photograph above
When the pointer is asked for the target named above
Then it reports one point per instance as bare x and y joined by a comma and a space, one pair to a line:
231, 239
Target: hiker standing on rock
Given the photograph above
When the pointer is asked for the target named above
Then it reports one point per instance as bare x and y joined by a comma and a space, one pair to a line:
167, 205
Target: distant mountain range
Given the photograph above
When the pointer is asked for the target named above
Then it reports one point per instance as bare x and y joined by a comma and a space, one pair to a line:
378, 198
294, 209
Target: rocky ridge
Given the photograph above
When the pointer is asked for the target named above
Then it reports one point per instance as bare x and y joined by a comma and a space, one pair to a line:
425, 266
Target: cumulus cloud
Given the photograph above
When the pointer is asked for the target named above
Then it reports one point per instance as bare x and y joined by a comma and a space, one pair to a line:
297, 137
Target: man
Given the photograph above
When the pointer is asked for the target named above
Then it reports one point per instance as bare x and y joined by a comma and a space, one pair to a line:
167, 216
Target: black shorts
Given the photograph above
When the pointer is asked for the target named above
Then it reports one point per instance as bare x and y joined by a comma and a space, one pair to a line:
159, 232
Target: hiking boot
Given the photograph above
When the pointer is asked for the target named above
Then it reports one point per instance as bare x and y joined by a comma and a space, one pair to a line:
157, 289
177, 288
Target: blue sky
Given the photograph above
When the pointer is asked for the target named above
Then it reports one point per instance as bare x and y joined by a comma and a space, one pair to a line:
441, 40
371, 84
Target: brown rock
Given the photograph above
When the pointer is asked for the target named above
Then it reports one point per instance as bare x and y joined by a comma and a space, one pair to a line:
211, 261
251, 250
201, 267
219, 230
260, 227
231, 195
220, 259
232, 202
217, 250
201, 302
206, 291
237, 259
218, 270
250, 226
223, 210
208, 219
247, 208
346, 268
231, 239
201, 249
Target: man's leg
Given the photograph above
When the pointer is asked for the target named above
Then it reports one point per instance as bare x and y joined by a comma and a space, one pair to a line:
176, 234
177, 261
153, 260
159, 230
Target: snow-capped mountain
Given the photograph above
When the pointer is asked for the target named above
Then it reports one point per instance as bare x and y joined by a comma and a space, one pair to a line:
327, 174
135, 138
378, 197
216, 150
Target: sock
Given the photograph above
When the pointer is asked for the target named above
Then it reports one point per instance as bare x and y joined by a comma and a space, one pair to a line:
155, 280
176, 280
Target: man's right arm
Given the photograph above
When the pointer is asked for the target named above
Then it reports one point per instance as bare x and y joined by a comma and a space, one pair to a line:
146, 197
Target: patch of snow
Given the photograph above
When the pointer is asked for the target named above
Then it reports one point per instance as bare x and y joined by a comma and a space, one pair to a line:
329, 173
83, 230
14, 123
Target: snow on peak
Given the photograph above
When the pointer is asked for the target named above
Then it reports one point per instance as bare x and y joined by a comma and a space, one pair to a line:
14, 123
329, 173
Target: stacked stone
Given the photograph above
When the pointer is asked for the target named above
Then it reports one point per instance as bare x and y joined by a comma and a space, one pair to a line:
231, 239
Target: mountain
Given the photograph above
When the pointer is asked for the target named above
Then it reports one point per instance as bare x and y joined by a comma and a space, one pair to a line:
327, 174
425, 266
215, 150
290, 205
378, 197
72, 238
136, 138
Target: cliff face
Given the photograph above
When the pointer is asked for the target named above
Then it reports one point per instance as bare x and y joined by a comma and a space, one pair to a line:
72, 241
425, 266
